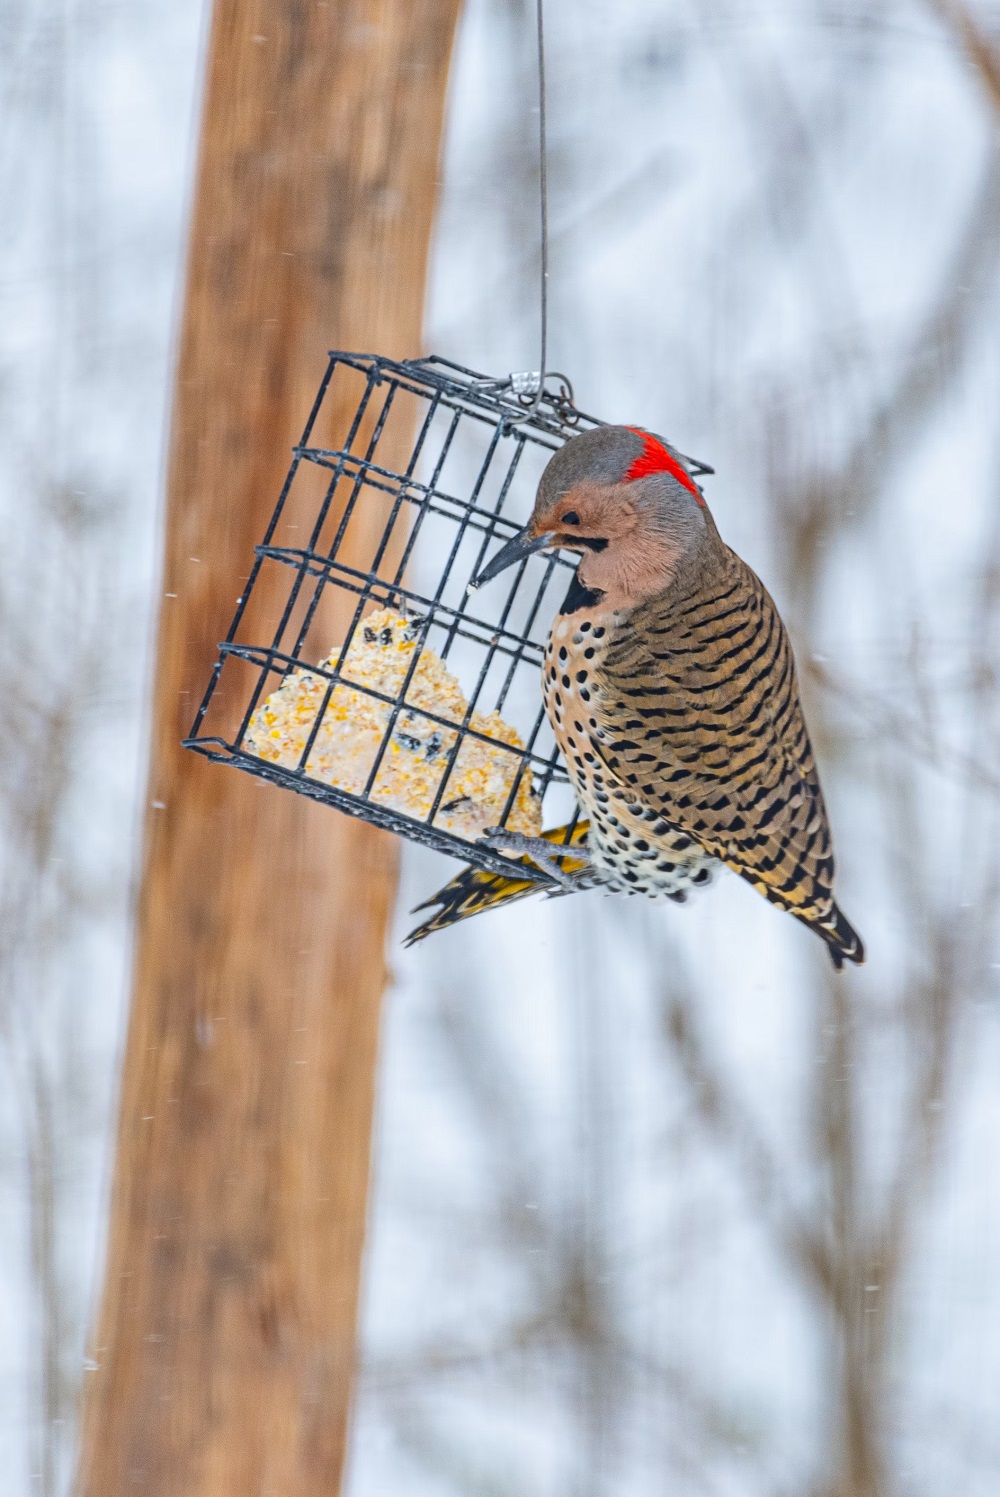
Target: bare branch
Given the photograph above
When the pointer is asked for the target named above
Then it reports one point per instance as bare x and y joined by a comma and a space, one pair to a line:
978, 48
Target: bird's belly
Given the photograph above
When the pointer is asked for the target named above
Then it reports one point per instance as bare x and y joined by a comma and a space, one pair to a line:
631, 860
632, 848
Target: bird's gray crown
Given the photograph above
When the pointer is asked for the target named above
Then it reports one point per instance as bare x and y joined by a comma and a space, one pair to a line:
603, 456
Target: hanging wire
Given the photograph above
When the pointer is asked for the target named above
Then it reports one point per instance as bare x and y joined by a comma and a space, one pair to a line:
543, 186
529, 387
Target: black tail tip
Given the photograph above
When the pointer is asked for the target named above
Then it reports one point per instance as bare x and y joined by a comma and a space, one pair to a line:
843, 942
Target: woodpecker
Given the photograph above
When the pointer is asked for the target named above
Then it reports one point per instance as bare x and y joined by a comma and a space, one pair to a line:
670, 685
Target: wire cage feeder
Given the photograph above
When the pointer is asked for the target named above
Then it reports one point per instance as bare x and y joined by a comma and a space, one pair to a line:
361, 667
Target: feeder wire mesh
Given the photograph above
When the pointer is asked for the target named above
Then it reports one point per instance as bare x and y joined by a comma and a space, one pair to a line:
379, 727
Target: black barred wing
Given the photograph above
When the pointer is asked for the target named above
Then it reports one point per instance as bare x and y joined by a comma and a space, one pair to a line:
700, 718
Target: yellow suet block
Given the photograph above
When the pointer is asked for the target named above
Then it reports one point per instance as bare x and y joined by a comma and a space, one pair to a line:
416, 757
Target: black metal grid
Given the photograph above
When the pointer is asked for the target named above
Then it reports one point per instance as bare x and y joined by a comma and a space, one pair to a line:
468, 455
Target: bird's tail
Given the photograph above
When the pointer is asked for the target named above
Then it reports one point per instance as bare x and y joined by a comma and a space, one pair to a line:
474, 889
843, 941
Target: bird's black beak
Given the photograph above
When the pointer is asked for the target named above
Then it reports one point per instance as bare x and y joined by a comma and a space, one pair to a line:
517, 548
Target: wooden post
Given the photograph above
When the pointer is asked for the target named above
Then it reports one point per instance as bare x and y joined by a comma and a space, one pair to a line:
225, 1339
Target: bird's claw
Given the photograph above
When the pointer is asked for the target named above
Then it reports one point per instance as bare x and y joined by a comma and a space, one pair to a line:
545, 855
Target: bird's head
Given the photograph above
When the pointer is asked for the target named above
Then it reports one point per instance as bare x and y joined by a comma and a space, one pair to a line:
625, 500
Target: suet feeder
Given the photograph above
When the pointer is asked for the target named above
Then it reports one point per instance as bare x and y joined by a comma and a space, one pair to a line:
361, 667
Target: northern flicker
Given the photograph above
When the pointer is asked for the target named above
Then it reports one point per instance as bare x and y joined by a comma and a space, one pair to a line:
670, 686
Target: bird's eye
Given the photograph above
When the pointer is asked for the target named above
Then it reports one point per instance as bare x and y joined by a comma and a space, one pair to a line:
571, 517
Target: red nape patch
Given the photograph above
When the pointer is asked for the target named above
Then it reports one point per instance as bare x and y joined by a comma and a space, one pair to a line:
656, 459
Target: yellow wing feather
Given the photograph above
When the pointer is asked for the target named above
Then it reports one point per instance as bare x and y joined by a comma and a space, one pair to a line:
474, 889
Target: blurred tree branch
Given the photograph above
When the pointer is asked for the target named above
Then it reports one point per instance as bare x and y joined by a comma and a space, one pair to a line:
981, 51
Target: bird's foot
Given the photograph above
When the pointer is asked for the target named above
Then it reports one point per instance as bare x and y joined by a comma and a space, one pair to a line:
544, 854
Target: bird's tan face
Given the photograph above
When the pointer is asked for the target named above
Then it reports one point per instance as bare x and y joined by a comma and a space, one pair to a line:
624, 556
588, 516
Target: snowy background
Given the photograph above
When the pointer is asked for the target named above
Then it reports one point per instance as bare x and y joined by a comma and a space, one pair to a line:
659, 1205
